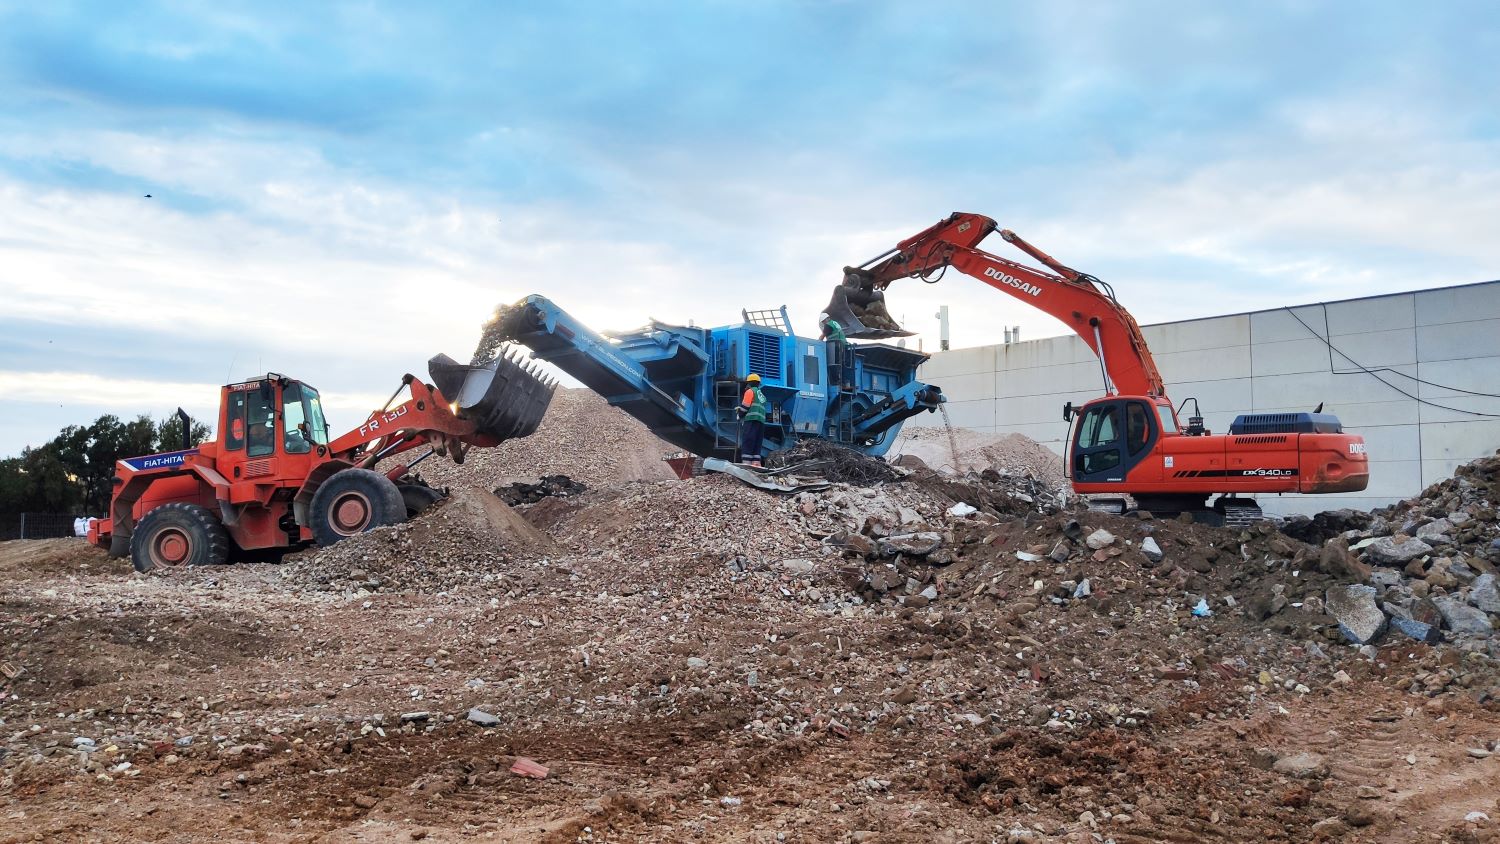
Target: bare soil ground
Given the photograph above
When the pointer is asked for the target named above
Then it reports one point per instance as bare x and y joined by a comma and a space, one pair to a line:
695, 661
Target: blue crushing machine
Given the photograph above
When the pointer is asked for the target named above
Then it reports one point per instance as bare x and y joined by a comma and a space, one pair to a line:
683, 382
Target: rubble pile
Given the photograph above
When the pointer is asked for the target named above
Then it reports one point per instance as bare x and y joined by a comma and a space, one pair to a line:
520, 492
1426, 566
581, 436
470, 540
960, 450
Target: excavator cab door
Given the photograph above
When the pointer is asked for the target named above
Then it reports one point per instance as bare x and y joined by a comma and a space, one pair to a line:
1113, 436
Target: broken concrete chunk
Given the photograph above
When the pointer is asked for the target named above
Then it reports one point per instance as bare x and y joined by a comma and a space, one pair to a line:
1301, 766
1484, 593
482, 718
1100, 538
1360, 620
1151, 549
1459, 617
912, 544
1435, 531
1388, 551
798, 566
1416, 630
1060, 552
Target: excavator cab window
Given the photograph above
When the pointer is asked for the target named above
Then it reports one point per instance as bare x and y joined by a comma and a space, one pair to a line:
1098, 439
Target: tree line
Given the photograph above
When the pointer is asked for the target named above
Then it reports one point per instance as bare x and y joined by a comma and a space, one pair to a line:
73, 473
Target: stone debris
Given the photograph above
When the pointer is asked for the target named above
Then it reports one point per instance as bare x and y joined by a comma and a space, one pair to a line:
520, 492
1360, 620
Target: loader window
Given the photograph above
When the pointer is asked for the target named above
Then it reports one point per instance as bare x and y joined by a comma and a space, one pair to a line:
234, 422
292, 415
315, 421
260, 422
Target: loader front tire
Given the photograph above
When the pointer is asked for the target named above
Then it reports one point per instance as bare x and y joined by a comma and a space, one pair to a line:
352, 502
178, 534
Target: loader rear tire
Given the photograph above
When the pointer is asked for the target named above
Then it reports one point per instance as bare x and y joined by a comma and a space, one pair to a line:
178, 534
352, 502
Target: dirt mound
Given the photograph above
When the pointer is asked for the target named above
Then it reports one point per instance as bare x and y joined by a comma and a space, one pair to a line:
581, 437
470, 539
963, 450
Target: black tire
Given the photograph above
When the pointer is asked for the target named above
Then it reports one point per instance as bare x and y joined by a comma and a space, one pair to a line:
352, 502
418, 497
178, 535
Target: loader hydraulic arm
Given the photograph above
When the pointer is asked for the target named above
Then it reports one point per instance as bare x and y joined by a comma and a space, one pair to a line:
1086, 304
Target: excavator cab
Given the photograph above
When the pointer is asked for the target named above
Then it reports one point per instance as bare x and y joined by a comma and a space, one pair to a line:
1115, 434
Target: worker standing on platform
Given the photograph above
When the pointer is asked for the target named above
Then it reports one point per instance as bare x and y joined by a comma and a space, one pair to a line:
838, 349
752, 411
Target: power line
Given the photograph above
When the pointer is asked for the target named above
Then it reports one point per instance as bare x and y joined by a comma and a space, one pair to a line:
1372, 373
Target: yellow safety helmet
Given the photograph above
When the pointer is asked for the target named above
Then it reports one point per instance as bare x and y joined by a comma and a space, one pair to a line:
754, 376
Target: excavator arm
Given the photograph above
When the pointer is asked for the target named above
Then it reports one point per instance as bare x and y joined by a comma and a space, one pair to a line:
1083, 302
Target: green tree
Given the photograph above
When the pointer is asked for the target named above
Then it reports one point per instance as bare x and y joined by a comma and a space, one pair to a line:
169, 434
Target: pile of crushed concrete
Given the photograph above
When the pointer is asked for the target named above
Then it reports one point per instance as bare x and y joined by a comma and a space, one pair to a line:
1426, 566
961, 450
469, 540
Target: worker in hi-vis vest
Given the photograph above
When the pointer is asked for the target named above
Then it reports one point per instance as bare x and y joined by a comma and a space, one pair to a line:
752, 411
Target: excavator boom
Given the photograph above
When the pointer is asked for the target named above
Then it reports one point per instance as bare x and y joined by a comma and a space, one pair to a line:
1081, 301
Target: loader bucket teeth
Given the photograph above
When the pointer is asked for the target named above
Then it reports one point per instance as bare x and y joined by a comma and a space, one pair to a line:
862, 314
504, 398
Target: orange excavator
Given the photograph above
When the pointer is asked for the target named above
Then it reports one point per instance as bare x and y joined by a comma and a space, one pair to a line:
1127, 442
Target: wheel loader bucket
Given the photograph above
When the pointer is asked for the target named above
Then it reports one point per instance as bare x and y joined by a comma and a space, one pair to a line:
861, 312
504, 398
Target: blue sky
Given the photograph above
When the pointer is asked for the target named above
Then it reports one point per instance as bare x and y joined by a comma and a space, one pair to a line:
342, 191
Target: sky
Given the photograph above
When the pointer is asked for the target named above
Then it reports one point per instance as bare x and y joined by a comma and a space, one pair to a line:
339, 191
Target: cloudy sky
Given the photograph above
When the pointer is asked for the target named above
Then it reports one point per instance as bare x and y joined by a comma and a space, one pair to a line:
341, 190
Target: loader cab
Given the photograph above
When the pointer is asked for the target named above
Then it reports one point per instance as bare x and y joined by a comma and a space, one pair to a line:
273, 427
1115, 434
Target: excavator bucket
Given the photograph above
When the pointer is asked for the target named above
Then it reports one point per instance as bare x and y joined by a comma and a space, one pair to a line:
860, 311
504, 398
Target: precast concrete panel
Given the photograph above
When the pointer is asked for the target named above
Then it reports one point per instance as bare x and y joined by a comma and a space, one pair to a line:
1288, 357
1359, 316
1459, 340
1070, 378
1352, 352
1463, 441
1204, 364
1214, 333
1281, 325
980, 359
1458, 304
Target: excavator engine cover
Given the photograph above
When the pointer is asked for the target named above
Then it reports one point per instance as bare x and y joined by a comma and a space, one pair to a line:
504, 398
860, 310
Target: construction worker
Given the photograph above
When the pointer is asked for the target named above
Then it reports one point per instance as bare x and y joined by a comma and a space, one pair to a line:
838, 349
752, 412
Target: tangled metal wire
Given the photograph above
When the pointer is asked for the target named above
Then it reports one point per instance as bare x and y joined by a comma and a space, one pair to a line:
834, 462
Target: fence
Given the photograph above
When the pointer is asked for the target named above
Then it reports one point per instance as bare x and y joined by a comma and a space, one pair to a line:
35, 525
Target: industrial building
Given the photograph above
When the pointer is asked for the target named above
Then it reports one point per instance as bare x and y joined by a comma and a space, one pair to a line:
1417, 374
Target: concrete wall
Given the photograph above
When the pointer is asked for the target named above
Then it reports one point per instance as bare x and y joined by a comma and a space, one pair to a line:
1270, 361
